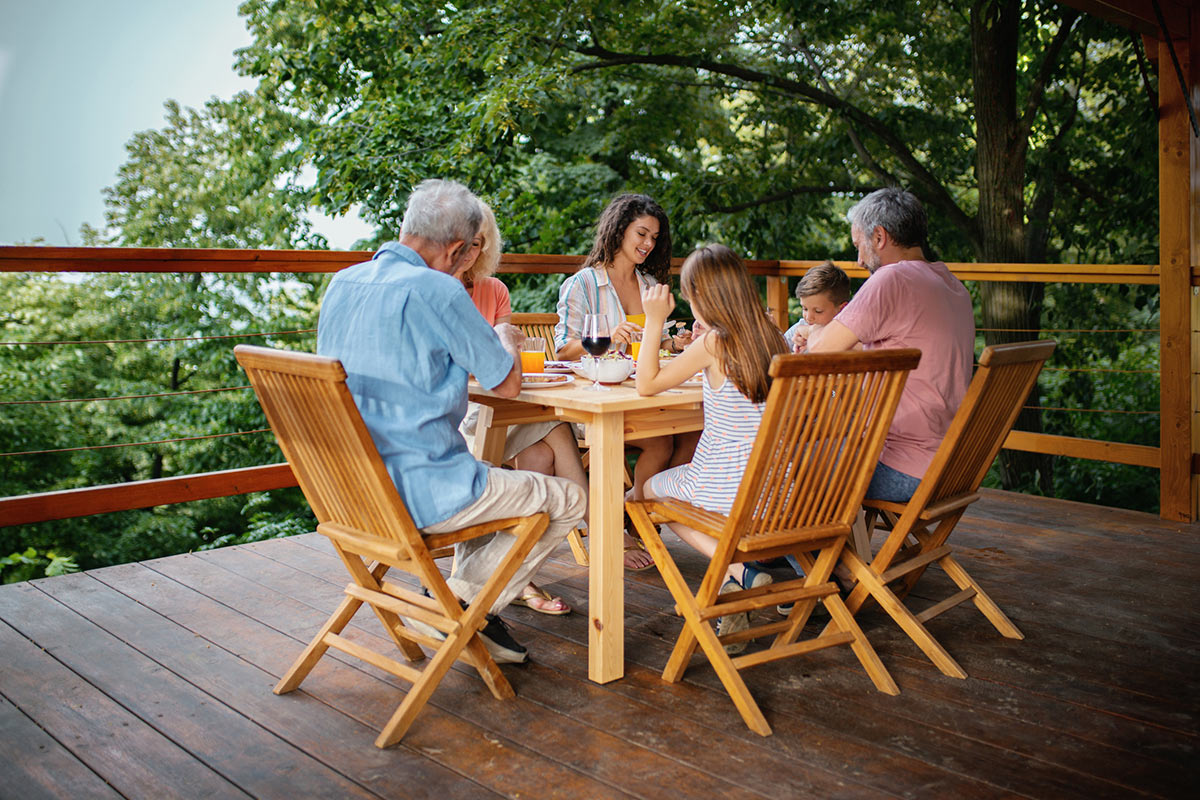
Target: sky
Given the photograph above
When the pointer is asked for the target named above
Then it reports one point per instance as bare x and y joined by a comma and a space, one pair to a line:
79, 77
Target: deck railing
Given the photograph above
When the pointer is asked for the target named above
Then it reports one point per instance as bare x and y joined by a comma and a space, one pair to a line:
140, 494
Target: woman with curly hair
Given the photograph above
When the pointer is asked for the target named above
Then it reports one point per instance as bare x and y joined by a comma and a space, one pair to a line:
631, 253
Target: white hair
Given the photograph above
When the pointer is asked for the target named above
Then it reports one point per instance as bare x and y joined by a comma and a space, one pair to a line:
442, 212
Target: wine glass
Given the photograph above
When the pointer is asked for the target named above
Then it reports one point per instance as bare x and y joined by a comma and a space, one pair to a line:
597, 338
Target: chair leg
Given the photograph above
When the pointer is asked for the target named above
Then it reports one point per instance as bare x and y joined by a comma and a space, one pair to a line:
696, 631
982, 601
867, 656
420, 692
870, 583
578, 549
317, 647
685, 645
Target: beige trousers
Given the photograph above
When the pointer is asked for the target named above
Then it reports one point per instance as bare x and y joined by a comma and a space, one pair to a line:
510, 493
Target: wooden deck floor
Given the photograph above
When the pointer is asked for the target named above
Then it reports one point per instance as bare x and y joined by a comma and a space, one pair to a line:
154, 680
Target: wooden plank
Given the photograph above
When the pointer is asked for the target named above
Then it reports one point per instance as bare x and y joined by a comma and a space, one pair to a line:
45, 506
608, 761
254, 758
1174, 233
186, 260
442, 756
133, 758
1073, 739
1112, 452
34, 766
647, 647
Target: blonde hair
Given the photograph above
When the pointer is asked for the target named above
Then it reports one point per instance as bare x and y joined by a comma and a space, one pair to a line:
489, 251
715, 281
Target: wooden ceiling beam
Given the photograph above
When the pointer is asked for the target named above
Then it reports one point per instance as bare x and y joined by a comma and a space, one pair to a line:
1139, 16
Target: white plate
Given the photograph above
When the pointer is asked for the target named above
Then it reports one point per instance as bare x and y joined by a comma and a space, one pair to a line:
563, 367
541, 380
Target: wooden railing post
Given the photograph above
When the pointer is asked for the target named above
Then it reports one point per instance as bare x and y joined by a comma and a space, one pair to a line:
1177, 177
777, 299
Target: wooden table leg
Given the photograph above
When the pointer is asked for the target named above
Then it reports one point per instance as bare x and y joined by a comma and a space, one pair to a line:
606, 577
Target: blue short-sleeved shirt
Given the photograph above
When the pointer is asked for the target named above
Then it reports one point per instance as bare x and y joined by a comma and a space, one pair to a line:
408, 336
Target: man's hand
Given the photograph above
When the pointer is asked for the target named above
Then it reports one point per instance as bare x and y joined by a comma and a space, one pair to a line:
511, 336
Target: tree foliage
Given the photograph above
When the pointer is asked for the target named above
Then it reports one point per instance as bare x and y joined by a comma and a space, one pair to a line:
1023, 126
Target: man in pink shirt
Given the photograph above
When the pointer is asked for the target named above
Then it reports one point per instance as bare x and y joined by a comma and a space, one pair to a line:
906, 302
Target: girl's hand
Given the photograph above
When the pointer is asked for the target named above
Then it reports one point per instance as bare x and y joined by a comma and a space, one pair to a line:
658, 302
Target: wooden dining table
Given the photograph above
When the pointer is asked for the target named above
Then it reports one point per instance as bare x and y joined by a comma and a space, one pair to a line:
611, 419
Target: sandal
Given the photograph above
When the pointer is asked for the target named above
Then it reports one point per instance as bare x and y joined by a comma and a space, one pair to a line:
538, 599
637, 547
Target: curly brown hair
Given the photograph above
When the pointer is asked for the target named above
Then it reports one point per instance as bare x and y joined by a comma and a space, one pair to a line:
610, 232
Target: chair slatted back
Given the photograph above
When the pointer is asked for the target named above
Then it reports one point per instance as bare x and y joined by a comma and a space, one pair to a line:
1001, 384
822, 431
325, 441
539, 325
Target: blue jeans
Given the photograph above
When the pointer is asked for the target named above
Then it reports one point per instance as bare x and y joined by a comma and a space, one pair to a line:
887, 484
891, 485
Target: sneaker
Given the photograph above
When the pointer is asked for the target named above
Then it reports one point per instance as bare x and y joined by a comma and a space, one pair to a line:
500, 643
732, 623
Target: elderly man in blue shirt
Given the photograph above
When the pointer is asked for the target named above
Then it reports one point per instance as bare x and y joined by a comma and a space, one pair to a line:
408, 335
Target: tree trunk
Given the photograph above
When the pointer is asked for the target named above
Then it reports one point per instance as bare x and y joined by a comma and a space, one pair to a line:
1010, 311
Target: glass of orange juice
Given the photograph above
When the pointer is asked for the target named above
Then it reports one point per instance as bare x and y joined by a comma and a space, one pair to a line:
533, 354
635, 345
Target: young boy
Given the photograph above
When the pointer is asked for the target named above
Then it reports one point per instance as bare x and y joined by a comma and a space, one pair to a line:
823, 292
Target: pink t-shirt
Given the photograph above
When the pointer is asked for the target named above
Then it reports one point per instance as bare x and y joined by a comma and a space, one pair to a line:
922, 305
490, 296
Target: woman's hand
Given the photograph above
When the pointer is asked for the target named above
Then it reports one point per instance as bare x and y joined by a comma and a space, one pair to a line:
627, 332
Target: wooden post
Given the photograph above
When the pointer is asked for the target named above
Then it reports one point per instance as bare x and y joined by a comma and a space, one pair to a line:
777, 300
1177, 171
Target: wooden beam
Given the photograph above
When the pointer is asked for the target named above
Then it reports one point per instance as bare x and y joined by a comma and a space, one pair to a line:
1137, 455
24, 509
1175, 177
1138, 15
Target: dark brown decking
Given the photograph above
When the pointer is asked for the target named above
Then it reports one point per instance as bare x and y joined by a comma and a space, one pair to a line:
154, 680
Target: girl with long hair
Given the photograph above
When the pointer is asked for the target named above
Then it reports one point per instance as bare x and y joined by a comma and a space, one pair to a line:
734, 351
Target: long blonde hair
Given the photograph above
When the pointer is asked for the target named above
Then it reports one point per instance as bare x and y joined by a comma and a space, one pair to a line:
715, 281
489, 252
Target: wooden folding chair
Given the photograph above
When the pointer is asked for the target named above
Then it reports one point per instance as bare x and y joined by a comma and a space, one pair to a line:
331, 453
920, 527
539, 325
821, 434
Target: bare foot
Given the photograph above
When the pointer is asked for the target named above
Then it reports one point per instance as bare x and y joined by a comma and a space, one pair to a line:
636, 557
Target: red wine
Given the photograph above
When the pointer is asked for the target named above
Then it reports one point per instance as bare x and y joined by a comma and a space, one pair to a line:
597, 346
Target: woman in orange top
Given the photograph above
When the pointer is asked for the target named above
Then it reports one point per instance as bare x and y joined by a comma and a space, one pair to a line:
546, 447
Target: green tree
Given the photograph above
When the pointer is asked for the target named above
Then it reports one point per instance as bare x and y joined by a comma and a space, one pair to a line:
755, 123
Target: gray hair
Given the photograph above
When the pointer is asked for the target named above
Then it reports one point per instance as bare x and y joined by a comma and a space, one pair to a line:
898, 212
442, 212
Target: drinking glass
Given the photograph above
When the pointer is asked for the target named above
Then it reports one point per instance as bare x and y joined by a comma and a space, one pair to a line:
533, 354
597, 338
